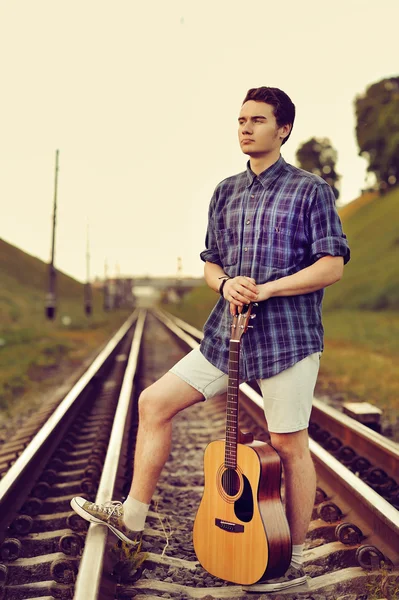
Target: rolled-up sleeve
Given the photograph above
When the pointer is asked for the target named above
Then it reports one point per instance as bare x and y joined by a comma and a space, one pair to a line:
325, 229
211, 253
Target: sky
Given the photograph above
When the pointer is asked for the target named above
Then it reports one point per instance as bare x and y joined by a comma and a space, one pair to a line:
141, 99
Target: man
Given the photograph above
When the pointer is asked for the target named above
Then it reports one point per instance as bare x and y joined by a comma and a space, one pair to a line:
273, 237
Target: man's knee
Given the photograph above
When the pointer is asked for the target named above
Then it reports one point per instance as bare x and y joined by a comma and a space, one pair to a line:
162, 400
291, 446
152, 405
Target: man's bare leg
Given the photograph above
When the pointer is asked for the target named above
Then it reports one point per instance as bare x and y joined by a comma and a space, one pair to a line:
158, 404
299, 479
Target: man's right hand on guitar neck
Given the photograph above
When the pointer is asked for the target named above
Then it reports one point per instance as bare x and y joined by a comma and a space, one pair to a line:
240, 291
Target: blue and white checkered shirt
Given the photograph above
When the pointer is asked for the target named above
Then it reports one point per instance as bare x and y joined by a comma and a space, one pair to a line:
266, 227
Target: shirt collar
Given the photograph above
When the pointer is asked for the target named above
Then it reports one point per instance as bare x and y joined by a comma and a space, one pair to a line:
268, 174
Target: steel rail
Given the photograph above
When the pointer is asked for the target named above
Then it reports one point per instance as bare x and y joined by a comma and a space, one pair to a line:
21, 475
171, 323
379, 519
367, 442
90, 575
197, 333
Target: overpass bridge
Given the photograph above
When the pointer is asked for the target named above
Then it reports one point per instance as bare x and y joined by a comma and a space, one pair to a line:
164, 283
145, 290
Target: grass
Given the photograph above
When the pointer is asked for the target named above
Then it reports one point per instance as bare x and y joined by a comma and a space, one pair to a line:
44, 355
371, 280
360, 359
195, 306
37, 355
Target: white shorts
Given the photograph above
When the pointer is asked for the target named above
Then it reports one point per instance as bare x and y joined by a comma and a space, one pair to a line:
287, 396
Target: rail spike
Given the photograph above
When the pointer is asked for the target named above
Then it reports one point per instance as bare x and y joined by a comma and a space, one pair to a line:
349, 534
371, 558
64, 571
321, 496
329, 512
10, 549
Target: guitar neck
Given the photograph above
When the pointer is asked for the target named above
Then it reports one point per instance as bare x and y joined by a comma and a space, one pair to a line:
232, 406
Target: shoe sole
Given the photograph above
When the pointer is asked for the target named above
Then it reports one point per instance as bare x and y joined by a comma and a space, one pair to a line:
88, 517
264, 587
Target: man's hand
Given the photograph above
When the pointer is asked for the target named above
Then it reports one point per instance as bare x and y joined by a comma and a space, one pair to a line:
240, 291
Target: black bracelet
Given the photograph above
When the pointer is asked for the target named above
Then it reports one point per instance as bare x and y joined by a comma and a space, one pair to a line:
222, 285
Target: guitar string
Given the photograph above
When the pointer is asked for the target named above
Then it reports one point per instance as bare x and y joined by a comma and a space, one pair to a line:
234, 353
231, 433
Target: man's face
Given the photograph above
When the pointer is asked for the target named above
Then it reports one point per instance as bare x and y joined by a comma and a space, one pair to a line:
257, 129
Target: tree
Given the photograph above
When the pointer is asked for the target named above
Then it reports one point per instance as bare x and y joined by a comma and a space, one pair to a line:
319, 157
377, 130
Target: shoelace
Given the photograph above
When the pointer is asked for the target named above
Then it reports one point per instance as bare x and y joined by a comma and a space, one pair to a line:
111, 507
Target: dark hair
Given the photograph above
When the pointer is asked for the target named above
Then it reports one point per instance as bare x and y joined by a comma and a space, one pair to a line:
283, 107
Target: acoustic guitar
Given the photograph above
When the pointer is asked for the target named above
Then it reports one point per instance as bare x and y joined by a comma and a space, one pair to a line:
241, 533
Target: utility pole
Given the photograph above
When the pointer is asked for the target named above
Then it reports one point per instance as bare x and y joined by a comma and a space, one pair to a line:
51, 295
118, 288
87, 290
179, 290
106, 304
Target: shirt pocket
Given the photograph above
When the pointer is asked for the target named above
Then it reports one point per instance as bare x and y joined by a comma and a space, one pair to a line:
227, 241
276, 247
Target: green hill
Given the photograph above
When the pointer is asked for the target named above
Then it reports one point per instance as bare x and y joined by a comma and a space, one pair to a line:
23, 286
371, 278
36, 353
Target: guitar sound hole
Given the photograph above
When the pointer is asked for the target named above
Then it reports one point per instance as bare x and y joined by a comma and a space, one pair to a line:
244, 506
230, 482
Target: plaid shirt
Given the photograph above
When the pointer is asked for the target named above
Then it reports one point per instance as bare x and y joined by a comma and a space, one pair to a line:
266, 227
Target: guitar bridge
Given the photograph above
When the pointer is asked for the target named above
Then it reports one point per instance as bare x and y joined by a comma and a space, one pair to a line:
229, 526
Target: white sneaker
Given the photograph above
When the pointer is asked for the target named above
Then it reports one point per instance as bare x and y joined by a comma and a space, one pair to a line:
291, 578
109, 514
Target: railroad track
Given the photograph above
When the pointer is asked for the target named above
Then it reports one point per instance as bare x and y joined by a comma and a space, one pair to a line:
86, 448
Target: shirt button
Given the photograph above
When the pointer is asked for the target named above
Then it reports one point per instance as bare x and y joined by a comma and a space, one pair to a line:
245, 249
248, 221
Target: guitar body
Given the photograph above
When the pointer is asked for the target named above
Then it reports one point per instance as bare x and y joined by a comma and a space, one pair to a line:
240, 531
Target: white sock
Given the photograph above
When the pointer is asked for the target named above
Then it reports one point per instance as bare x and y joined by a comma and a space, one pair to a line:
134, 513
297, 556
